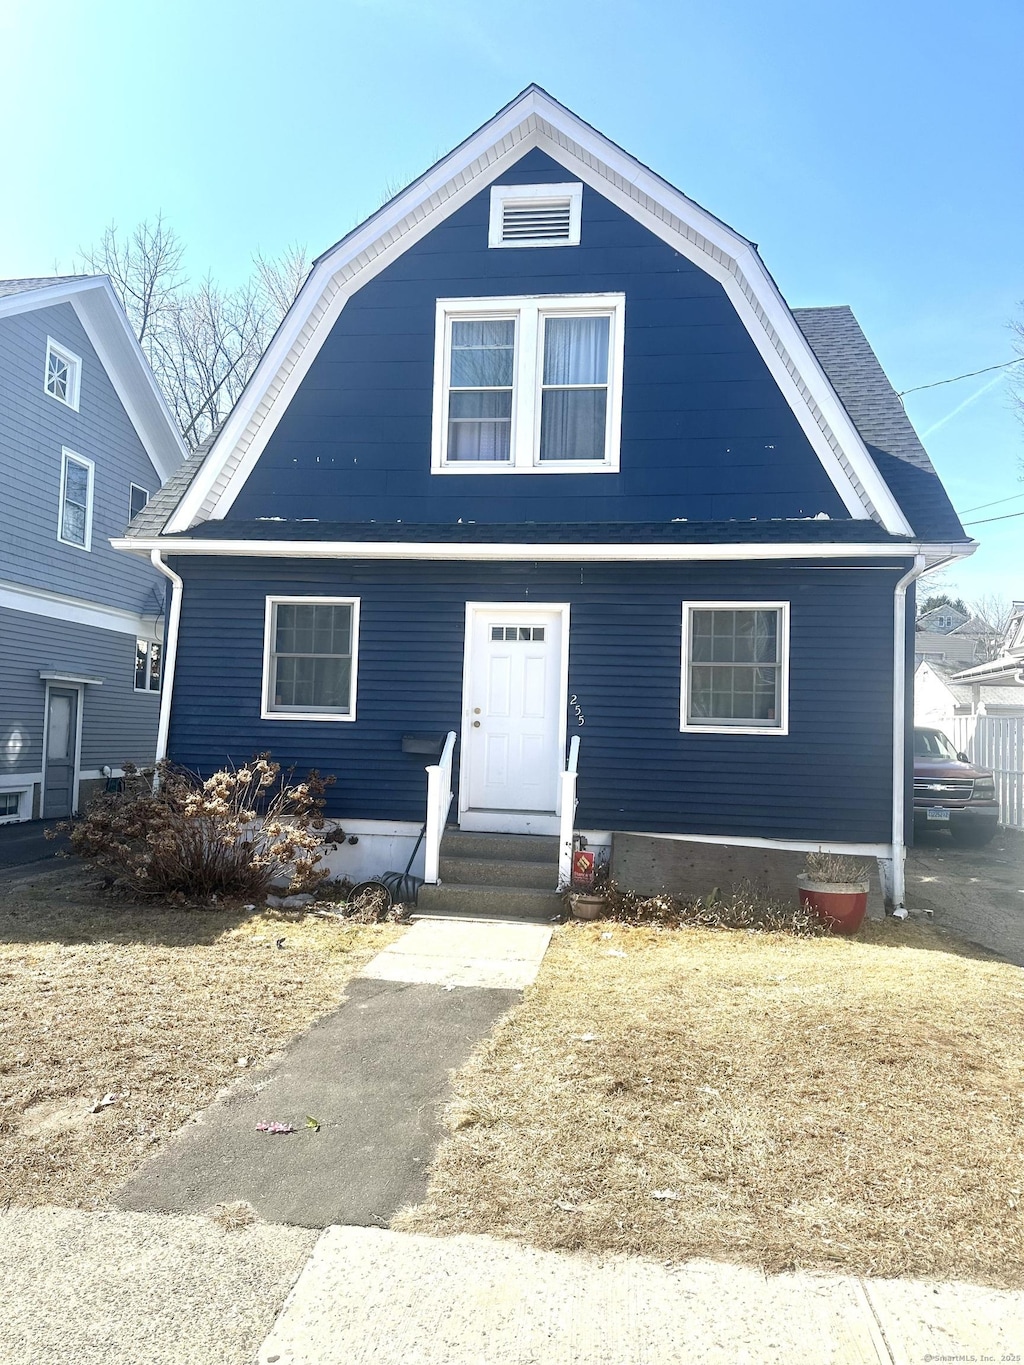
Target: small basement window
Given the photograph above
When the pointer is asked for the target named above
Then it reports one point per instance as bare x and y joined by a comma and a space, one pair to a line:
535, 215
10, 806
310, 657
735, 667
63, 374
147, 666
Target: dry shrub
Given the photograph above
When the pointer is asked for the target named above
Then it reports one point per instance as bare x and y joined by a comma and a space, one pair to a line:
744, 908
233, 835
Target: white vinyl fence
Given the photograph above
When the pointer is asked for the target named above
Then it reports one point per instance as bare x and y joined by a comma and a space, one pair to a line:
997, 743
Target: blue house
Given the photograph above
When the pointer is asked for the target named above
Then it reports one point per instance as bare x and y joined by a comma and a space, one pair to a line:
542, 485
85, 440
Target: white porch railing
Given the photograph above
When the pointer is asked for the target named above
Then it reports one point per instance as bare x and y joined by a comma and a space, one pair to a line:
567, 819
439, 800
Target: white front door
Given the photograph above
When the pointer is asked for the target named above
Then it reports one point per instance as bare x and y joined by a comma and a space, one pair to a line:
513, 717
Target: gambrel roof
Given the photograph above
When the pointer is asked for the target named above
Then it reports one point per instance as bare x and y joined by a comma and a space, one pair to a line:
820, 359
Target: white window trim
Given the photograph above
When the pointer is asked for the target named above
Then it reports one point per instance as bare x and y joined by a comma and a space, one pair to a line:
528, 311
66, 457
22, 788
147, 690
74, 364
502, 194
266, 713
723, 728
136, 488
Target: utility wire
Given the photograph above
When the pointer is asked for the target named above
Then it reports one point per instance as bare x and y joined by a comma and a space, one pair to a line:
971, 374
998, 501
985, 520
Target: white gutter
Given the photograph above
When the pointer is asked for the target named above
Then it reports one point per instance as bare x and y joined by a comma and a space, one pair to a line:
170, 653
898, 886
502, 551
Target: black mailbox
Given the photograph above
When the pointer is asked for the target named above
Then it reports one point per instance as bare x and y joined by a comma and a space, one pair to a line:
429, 746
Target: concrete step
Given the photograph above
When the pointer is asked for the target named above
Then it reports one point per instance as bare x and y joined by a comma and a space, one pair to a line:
489, 902
528, 848
511, 872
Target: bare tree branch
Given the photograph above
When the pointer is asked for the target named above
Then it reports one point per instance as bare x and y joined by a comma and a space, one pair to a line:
203, 342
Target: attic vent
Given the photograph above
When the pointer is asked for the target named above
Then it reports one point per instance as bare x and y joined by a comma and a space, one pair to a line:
535, 215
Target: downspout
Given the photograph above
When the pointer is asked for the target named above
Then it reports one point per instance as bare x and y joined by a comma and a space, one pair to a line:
170, 653
898, 885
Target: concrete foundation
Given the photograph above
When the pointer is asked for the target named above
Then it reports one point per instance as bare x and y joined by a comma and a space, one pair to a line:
686, 868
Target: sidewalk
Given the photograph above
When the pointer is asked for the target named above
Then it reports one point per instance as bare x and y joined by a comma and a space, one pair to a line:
152, 1289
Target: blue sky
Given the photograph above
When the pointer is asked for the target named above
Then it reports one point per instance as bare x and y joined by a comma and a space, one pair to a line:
873, 150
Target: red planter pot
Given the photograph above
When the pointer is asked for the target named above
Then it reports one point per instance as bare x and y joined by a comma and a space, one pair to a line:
842, 906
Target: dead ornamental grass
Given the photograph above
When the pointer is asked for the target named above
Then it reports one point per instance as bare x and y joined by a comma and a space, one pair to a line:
846, 1105
152, 1004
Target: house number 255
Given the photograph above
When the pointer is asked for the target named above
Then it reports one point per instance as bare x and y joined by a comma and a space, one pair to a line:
574, 702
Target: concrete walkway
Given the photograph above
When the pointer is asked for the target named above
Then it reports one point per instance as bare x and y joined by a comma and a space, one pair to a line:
148, 1289
389, 1298
373, 1075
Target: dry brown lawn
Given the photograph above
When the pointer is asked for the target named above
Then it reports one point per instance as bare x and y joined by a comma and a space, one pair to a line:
155, 1005
847, 1105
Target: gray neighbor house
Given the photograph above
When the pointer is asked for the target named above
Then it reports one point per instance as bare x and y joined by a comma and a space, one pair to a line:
85, 440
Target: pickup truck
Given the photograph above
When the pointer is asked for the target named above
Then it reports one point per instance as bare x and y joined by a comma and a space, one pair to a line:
950, 792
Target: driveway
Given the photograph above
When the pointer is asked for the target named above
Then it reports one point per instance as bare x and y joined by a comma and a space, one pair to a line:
976, 893
25, 845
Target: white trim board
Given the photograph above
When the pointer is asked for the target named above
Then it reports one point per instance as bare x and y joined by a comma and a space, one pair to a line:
39, 602
449, 550
532, 120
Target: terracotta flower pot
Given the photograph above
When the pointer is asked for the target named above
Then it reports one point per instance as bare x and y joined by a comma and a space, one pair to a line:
588, 906
840, 905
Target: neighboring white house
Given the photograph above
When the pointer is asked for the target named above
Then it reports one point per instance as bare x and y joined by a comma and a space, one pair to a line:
940, 696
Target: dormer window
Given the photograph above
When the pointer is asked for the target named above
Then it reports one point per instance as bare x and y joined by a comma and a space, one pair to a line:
528, 385
535, 215
63, 374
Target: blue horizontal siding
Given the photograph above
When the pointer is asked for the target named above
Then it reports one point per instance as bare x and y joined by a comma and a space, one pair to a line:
354, 442
829, 778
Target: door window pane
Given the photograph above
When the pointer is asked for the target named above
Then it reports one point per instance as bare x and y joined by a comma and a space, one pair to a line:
59, 731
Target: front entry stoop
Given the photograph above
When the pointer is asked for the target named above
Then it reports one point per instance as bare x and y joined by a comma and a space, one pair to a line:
495, 876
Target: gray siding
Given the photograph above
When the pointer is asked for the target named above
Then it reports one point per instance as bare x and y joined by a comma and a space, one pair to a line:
118, 723
33, 429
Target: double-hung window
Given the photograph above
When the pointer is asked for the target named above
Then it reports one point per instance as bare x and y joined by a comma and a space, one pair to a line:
74, 512
528, 385
309, 658
735, 667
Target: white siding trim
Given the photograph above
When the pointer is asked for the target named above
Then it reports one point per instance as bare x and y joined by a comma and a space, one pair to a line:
267, 712
38, 602
350, 549
535, 120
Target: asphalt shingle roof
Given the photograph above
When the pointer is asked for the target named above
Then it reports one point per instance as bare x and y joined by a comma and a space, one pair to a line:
153, 517
26, 286
863, 387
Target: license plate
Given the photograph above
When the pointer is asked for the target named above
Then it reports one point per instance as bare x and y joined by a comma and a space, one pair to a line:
938, 813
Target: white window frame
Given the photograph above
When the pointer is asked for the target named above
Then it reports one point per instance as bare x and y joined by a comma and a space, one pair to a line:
132, 489
74, 364
503, 194
267, 711
724, 727
68, 457
150, 645
528, 311
21, 792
